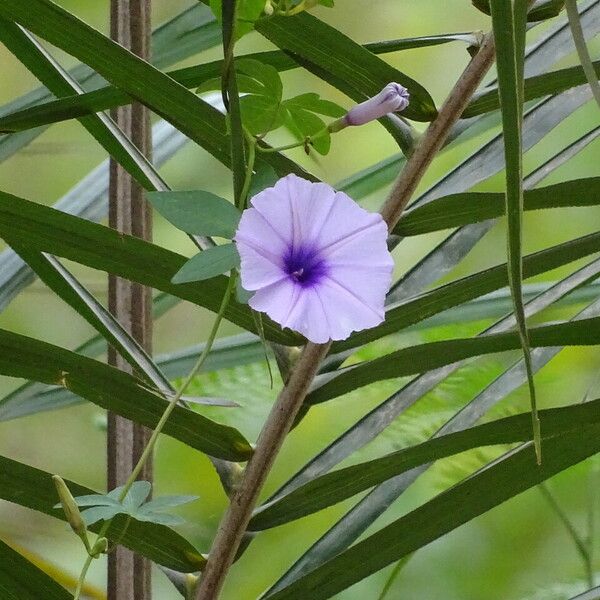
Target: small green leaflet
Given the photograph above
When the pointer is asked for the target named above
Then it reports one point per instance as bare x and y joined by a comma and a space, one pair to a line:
264, 110
106, 506
209, 263
197, 212
248, 11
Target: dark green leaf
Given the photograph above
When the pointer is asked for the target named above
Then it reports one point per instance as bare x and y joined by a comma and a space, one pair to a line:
332, 53
414, 309
535, 87
425, 357
514, 473
115, 390
472, 207
61, 281
99, 247
168, 98
100, 126
334, 487
509, 19
208, 264
33, 488
197, 212
34, 397
21, 580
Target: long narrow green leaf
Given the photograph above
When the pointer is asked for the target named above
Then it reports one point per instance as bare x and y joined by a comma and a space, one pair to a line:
425, 357
87, 199
21, 580
592, 594
402, 314
535, 87
473, 207
176, 104
34, 489
116, 390
61, 281
49, 230
341, 61
334, 487
59, 82
363, 514
33, 397
53, 111
509, 21
514, 473
190, 32
582, 50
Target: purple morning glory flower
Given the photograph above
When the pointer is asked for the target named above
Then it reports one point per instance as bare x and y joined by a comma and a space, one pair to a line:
317, 262
393, 97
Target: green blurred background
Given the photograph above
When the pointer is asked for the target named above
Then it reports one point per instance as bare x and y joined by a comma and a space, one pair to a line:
519, 550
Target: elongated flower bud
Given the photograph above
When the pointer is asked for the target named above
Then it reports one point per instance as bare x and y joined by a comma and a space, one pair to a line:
70, 509
392, 98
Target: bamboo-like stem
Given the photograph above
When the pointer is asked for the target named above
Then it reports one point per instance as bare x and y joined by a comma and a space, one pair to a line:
289, 402
129, 576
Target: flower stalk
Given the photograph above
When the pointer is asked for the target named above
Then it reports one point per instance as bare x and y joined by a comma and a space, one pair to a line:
290, 399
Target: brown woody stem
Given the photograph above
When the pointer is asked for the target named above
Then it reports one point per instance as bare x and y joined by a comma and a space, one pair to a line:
289, 402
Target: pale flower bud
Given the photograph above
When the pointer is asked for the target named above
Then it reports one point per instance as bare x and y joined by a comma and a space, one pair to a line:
392, 98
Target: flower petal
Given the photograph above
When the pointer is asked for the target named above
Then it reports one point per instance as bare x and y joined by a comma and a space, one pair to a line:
345, 311
257, 270
277, 299
309, 317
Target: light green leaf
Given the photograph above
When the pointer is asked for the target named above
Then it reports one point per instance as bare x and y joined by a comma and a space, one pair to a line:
197, 212
208, 264
311, 102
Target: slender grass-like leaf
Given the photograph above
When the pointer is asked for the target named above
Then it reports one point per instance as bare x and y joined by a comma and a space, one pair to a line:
336, 486
159, 92
416, 308
33, 397
535, 87
472, 207
49, 230
23, 118
591, 594
22, 580
61, 281
100, 126
118, 391
187, 33
361, 516
509, 21
508, 476
582, 49
33, 488
425, 357
87, 199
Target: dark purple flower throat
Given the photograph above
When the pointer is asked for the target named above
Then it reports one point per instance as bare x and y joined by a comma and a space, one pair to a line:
305, 266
